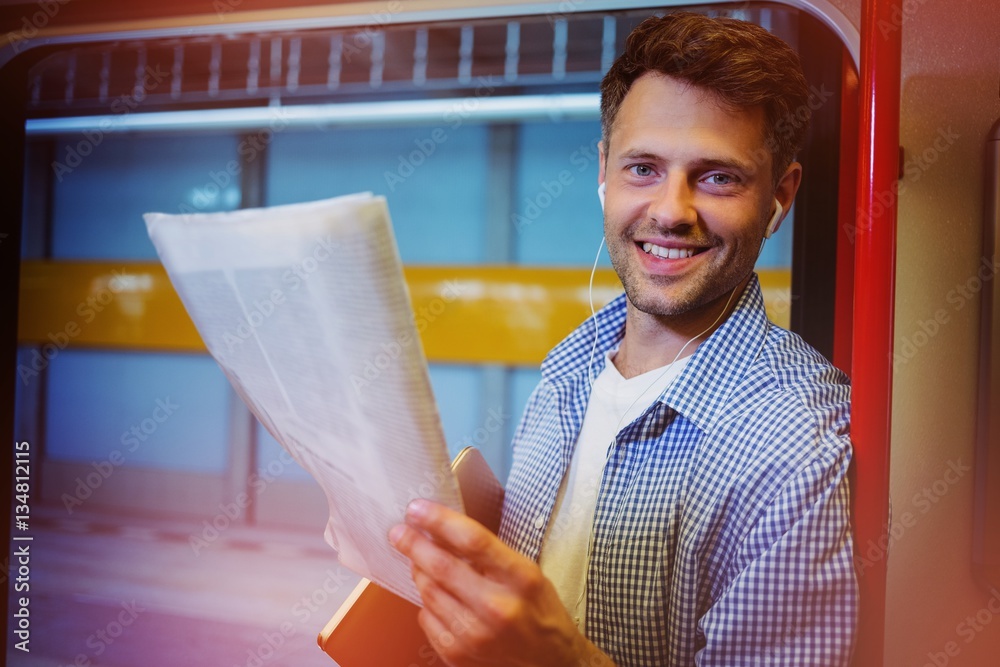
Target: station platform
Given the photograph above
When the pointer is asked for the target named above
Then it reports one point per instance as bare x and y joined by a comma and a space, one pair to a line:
131, 591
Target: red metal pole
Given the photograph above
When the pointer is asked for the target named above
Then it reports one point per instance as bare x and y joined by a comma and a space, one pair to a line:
874, 292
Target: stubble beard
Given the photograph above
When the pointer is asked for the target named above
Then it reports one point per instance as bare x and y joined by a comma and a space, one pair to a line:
667, 296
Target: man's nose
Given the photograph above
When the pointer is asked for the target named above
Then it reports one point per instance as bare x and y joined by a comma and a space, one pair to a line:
672, 204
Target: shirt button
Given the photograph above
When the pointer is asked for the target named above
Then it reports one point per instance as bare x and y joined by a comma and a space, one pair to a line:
540, 522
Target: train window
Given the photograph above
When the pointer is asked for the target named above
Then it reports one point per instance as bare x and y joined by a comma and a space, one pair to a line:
96, 204
480, 127
481, 133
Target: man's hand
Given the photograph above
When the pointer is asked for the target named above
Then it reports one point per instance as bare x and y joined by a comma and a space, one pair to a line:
484, 603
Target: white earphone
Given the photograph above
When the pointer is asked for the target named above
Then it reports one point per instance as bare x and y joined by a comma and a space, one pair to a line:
600, 194
772, 225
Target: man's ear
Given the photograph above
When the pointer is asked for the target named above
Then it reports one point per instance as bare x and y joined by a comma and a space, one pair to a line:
788, 185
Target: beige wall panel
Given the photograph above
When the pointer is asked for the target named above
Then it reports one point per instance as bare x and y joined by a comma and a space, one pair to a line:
951, 71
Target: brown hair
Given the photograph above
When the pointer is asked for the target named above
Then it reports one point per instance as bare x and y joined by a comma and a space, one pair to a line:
745, 65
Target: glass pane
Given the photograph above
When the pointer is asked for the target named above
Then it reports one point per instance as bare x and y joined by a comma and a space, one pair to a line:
99, 202
555, 213
434, 178
458, 394
270, 460
158, 410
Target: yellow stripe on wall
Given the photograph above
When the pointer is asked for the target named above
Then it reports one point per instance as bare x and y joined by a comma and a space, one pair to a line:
466, 314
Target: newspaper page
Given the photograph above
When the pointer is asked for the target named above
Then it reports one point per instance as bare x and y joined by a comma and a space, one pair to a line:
306, 311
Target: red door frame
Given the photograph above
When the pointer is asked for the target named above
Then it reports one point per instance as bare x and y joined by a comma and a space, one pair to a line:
870, 222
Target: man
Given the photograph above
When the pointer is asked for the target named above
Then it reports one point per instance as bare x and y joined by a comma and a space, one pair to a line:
664, 507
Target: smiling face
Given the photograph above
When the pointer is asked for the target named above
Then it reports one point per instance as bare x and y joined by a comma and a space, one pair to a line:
689, 194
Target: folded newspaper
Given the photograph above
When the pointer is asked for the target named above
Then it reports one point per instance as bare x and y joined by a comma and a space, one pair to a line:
297, 304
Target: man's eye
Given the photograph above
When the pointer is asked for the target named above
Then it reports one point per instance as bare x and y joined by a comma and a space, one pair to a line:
641, 170
721, 179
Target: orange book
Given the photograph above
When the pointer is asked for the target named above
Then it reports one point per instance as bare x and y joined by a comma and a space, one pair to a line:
376, 628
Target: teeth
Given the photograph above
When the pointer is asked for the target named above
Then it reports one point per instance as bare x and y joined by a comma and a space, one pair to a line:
668, 253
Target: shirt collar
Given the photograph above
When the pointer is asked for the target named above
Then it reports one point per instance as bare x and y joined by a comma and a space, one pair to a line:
703, 388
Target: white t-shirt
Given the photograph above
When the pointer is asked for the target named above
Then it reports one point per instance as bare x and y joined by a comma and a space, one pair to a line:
614, 403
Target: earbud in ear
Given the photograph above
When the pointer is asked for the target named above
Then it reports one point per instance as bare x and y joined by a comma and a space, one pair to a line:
772, 225
600, 194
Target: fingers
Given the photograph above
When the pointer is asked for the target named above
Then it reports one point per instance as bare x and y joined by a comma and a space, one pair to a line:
464, 537
449, 589
447, 623
484, 603
437, 633
437, 564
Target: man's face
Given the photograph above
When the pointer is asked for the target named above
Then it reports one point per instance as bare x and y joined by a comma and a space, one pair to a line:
688, 197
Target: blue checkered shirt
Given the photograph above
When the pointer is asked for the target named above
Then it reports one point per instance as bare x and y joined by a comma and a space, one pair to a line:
722, 530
